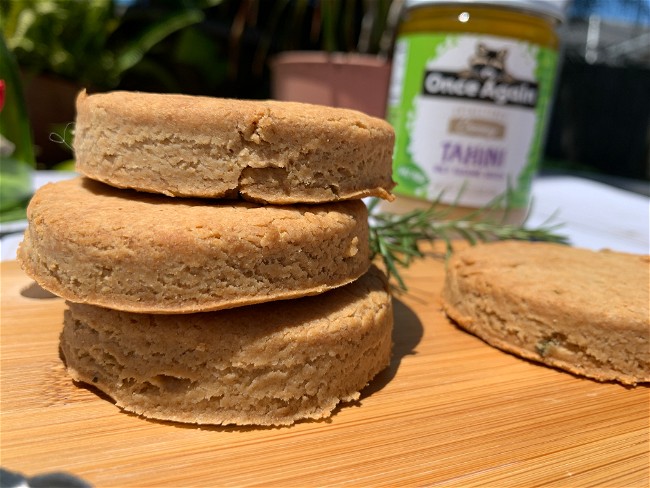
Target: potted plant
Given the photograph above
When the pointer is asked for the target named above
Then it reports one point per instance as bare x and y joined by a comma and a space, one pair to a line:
64, 45
352, 67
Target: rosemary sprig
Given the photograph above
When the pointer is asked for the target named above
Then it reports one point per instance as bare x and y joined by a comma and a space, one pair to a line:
397, 238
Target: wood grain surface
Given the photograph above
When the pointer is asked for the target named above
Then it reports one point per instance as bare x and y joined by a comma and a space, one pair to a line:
450, 411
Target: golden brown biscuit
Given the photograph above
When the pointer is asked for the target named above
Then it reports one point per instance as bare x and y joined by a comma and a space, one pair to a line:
268, 364
91, 243
582, 311
265, 151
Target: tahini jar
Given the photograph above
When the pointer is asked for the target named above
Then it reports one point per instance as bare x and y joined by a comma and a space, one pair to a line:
471, 89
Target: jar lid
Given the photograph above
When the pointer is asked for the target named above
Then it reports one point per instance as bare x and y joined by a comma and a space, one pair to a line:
555, 9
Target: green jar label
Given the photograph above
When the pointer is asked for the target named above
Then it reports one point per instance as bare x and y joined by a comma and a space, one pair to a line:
469, 113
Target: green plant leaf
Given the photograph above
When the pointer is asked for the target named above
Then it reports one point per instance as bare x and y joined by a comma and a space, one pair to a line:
68, 165
131, 55
14, 123
330, 14
196, 49
15, 187
88, 41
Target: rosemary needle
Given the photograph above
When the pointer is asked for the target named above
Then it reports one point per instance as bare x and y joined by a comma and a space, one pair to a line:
397, 238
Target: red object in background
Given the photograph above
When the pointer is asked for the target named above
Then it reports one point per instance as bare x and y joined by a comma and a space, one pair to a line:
2, 94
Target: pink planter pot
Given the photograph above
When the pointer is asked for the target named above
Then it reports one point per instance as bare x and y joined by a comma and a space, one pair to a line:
354, 81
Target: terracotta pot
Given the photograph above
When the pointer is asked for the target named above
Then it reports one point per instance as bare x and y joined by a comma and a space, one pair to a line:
347, 80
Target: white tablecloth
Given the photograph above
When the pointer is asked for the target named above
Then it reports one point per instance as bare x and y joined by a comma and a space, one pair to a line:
593, 215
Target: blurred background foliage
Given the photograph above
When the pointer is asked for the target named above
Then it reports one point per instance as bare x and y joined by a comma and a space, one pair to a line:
222, 48
91, 43
218, 47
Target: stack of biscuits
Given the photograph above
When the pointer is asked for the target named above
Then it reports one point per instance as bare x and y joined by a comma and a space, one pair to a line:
214, 256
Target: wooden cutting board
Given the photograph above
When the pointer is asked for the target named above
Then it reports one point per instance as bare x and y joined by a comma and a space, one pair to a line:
450, 411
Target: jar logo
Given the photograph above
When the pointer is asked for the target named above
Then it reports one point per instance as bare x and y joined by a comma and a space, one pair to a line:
486, 79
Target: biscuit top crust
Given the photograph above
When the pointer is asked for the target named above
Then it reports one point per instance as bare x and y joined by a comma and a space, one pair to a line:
100, 216
260, 120
121, 249
611, 289
264, 151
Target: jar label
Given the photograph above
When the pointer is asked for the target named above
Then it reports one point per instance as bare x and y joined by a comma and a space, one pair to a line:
469, 113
